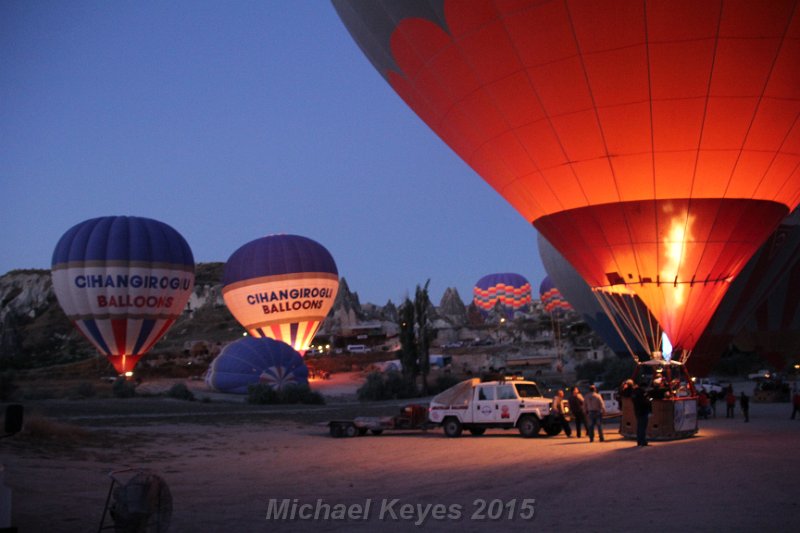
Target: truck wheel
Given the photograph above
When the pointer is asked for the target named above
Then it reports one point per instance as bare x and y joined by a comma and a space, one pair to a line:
528, 426
337, 431
551, 430
452, 427
477, 431
350, 430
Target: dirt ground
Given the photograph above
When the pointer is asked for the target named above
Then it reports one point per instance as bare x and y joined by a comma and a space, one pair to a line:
223, 472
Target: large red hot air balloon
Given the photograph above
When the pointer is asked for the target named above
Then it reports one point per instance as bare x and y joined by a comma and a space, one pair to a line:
655, 144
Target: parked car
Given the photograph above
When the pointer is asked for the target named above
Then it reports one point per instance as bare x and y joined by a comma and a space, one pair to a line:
611, 401
761, 374
476, 406
708, 384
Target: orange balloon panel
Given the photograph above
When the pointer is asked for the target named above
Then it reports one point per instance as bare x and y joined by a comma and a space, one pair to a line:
560, 105
679, 256
618, 126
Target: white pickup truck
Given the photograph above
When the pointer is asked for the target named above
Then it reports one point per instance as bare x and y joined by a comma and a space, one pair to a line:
476, 406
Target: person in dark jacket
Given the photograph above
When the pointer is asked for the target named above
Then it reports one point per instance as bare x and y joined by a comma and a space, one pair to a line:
641, 408
576, 408
744, 403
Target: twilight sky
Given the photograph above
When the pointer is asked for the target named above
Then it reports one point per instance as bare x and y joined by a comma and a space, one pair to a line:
230, 121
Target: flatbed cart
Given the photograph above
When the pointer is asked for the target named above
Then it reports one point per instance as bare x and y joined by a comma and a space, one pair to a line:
412, 416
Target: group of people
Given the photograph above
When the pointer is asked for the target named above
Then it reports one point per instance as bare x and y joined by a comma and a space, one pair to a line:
707, 403
587, 412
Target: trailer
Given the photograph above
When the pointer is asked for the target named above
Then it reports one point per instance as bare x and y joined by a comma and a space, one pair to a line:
411, 416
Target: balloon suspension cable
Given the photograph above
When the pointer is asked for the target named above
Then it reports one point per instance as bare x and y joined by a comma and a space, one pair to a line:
557, 336
624, 311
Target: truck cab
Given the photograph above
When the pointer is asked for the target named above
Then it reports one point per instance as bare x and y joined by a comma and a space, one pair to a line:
476, 406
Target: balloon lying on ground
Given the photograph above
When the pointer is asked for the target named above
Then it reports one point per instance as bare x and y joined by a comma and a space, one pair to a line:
655, 145
251, 361
506, 292
122, 281
281, 287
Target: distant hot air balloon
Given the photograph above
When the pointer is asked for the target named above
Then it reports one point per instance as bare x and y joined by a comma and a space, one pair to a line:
250, 361
282, 287
122, 281
508, 292
552, 299
655, 144
556, 306
635, 339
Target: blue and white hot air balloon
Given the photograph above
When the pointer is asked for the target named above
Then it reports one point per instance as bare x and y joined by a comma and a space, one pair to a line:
254, 360
281, 287
122, 281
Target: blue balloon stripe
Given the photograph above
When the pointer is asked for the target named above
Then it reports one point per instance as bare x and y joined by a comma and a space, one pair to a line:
95, 336
144, 333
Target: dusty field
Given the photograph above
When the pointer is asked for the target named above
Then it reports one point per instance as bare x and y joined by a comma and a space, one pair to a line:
224, 464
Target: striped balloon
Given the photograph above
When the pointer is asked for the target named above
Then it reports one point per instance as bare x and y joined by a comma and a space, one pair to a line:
253, 361
551, 297
508, 292
122, 281
282, 287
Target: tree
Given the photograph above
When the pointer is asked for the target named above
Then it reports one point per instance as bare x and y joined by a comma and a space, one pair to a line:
422, 303
408, 344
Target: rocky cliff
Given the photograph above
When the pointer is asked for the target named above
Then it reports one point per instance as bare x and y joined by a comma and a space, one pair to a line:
34, 330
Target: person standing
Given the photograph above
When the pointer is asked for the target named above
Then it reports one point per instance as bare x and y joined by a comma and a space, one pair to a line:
557, 411
795, 402
641, 408
576, 407
744, 403
595, 409
730, 403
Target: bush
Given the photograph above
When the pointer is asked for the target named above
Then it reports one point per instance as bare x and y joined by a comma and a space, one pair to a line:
262, 394
445, 381
611, 371
122, 388
180, 391
387, 386
300, 394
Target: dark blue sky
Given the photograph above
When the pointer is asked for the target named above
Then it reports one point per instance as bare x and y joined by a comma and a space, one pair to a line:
230, 121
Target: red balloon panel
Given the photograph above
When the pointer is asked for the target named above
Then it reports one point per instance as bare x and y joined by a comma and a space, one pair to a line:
580, 104
677, 255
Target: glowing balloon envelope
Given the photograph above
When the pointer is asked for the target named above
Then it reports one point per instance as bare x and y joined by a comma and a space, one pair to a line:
250, 361
621, 339
282, 287
122, 281
511, 292
655, 144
